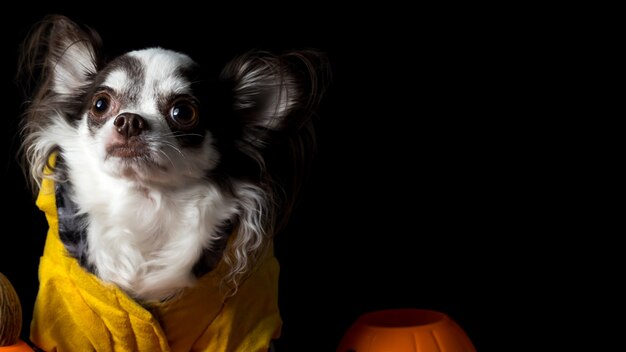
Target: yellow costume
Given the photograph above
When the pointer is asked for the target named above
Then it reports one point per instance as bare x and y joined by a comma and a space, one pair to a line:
75, 311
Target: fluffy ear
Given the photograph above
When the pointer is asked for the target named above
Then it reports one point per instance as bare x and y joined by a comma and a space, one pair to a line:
272, 93
57, 62
61, 55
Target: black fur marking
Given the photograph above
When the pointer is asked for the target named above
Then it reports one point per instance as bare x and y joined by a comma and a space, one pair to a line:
194, 137
71, 106
210, 257
135, 76
72, 227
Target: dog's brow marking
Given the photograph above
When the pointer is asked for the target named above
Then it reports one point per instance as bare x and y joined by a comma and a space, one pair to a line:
135, 76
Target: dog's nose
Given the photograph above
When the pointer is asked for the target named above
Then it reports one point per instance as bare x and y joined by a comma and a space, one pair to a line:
129, 125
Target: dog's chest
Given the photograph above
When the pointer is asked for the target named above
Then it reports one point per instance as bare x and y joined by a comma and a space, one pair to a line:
149, 220
147, 241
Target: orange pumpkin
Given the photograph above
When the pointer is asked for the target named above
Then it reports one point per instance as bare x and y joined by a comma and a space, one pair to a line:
10, 313
10, 319
405, 330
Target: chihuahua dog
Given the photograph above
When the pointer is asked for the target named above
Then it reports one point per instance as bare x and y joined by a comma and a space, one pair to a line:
160, 172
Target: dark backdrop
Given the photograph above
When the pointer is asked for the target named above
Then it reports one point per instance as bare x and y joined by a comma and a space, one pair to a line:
406, 189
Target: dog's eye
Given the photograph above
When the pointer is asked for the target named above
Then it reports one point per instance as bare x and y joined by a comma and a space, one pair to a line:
184, 114
101, 104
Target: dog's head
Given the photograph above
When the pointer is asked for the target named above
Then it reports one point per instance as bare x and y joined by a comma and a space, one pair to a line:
149, 115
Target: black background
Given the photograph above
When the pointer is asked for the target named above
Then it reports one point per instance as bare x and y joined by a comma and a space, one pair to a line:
409, 195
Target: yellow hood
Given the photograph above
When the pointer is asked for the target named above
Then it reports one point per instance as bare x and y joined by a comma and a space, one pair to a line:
75, 311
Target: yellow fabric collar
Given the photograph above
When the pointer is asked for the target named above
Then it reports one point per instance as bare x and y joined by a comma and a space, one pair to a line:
75, 311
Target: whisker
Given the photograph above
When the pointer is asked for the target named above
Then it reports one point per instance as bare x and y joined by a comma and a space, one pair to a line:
171, 145
178, 134
167, 157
